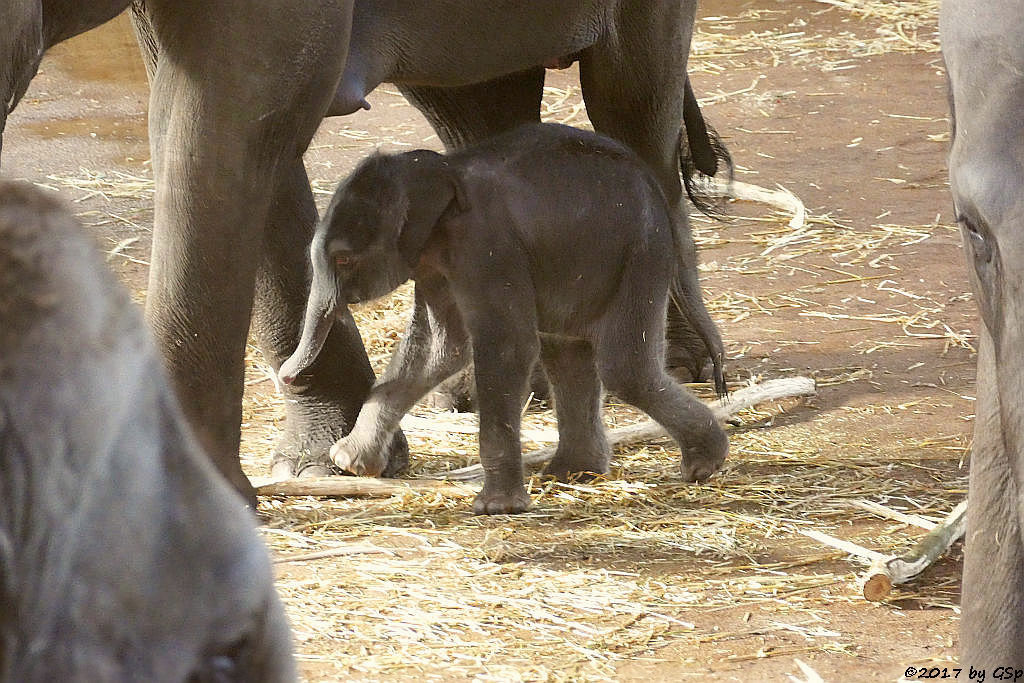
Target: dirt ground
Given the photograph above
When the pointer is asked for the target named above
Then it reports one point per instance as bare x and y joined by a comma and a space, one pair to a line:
641, 577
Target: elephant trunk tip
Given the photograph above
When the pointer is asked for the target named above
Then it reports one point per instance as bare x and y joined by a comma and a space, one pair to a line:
313, 338
290, 369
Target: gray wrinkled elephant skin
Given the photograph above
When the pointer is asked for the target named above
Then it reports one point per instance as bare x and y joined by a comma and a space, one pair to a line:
546, 240
238, 90
984, 52
124, 556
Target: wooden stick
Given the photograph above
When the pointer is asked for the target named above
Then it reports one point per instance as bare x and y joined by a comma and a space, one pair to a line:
781, 199
887, 571
746, 397
847, 546
359, 487
812, 675
883, 511
332, 552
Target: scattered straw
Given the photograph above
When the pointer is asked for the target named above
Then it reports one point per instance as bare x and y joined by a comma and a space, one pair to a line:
863, 29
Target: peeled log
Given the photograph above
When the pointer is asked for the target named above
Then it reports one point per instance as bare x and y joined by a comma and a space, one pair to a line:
886, 571
359, 487
649, 430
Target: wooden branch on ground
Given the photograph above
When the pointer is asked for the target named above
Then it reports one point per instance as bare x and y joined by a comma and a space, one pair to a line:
858, 551
781, 199
331, 552
359, 487
883, 511
812, 675
880, 577
888, 570
649, 430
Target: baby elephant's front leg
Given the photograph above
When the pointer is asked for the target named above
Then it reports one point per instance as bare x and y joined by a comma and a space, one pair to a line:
503, 364
362, 451
433, 348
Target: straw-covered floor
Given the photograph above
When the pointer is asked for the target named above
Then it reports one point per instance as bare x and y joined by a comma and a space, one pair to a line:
634, 575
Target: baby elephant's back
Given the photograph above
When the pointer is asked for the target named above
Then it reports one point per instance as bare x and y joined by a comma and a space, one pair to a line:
571, 177
586, 209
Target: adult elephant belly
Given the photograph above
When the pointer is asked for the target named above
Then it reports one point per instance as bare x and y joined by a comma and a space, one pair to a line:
488, 39
460, 42
476, 69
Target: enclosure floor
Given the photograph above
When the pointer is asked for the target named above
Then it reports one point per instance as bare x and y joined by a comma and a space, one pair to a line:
642, 577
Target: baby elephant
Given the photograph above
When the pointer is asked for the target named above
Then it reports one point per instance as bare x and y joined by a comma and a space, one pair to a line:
545, 239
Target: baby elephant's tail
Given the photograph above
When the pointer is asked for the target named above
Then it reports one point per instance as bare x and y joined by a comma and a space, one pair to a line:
702, 154
691, 306
686, 297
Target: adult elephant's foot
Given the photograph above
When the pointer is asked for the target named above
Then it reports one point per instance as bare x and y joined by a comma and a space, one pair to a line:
582, 464
455, 394
458, 392
308, 454
498, 502
686, 367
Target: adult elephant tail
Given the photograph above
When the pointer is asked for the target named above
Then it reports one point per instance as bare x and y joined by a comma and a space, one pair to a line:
702, 154
3, 125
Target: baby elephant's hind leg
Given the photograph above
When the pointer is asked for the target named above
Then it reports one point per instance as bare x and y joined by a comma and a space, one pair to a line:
636, 375
582, 444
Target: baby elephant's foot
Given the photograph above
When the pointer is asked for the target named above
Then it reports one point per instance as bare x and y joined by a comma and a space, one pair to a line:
577, 463
360, 457
490, 502
704, 459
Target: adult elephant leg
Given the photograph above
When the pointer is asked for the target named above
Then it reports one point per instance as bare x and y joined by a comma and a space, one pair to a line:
203, 267
634, 90
238, 89
323, 402
463, 116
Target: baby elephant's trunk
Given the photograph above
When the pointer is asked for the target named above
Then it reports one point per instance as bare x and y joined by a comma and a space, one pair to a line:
320, 313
